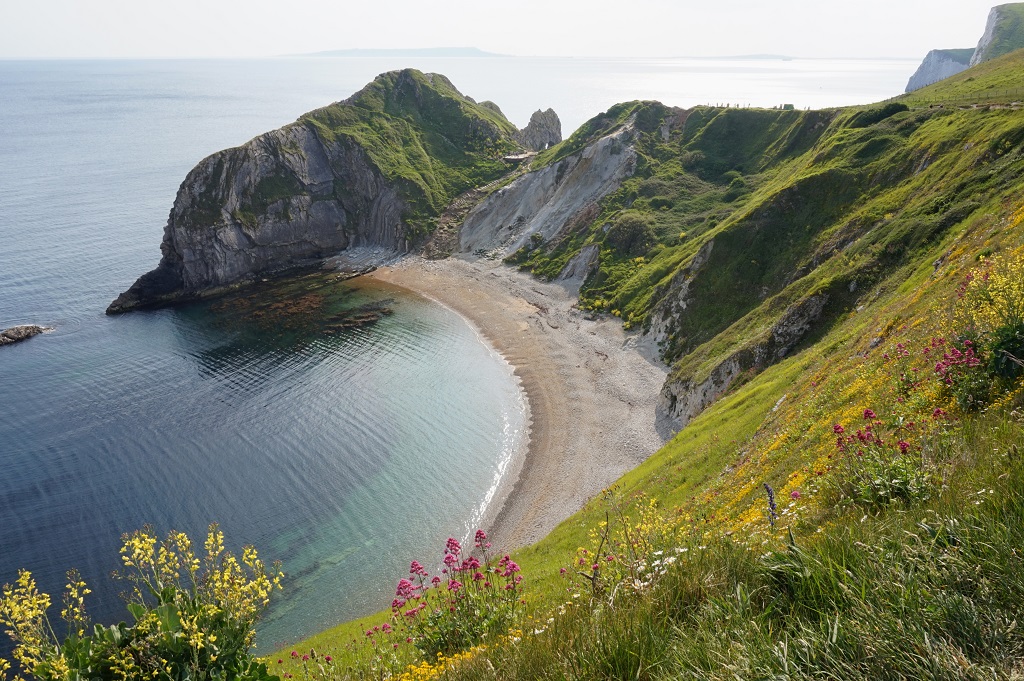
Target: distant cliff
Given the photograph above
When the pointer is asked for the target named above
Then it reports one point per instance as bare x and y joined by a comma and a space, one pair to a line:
376, 169
940, 64
1004, 33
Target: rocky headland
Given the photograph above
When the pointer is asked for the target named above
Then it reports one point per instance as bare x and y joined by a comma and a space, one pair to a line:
376, 169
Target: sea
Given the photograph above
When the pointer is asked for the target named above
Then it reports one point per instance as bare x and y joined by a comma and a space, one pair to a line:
343, 428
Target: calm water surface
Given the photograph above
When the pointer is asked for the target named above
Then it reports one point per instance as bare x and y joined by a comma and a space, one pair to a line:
344, 452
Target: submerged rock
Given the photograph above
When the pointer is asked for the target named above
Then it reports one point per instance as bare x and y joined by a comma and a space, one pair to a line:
16, 334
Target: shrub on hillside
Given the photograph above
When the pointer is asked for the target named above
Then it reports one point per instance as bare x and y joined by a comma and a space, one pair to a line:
194, 619
990, 306
631, 234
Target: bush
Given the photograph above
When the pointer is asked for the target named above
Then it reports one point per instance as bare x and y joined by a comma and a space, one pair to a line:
631, 234
476, 597
193, 619
876, 470
654, 186
990, 306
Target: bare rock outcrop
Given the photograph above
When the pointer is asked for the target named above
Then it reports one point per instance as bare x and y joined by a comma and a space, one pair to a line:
544, 130
682, 399
281, 199
545, 202
1004, 33
16, 334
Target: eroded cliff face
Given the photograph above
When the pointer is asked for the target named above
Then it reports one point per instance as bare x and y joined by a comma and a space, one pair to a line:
683, 398
548, 201
938, 65
283, 198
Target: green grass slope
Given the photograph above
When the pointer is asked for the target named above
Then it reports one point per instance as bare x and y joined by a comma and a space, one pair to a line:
422, 133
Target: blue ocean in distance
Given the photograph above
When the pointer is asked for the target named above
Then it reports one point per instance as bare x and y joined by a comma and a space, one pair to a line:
343, 454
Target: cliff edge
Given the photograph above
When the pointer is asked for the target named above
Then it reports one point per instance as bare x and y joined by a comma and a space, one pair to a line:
939, 65
1004, 33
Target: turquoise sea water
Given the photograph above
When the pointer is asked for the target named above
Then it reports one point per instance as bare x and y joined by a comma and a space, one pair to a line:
344, 453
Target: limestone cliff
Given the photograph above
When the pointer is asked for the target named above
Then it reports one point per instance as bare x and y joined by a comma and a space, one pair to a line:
938, 65
1004, 33
373, 170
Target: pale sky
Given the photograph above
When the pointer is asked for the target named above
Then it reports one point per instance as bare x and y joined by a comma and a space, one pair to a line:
642, 28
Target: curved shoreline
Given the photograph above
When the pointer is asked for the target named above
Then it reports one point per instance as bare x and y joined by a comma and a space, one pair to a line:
591, 390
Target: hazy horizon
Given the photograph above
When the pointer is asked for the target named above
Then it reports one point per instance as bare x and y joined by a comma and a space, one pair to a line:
801, 29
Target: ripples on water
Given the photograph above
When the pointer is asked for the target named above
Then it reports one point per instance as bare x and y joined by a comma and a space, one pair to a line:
345, 452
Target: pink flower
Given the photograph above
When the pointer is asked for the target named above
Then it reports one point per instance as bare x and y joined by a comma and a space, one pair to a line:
594, 567
561, 571
305, 658
610, 558
795, 494
328, 658
838, 429
903, 445
869, 415
416, 569
294, 654
435, 580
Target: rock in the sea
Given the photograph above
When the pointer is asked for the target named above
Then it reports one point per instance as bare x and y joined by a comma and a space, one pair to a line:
16, 334
544, 130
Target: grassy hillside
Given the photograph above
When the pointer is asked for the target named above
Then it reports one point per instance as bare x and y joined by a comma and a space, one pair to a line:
851, 509
420, 131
